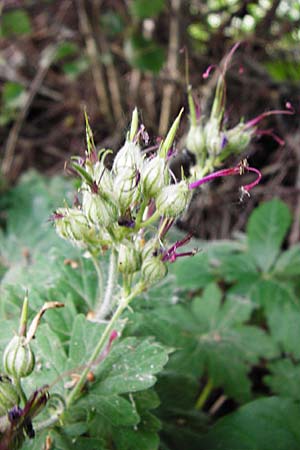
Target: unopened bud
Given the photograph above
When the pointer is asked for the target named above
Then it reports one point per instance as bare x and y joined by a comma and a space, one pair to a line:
18, 358
154, 176
195, 140
153, 270
173, 199
71, 224
126, 189
8, 395
213, 137
238, 138
128, 158
98, 211
102, 177
129, 260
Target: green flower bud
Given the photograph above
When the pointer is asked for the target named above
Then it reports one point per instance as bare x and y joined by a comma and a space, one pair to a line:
71, 224
18, 358
173, 199
127, 189
128, 159
213, 137
153, 176
195, 140
102, 177
98, 211
238, 138
150, 248
153, 270
129, 260
8, 395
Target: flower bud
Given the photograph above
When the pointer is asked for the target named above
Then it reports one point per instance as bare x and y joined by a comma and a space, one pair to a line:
195, 140
173, 199
153, 176
103, 178
98, 211
128, 159
18, 358
129, 260
127, 189
213, 137
150, 248
71, 224
153, 270
238, 138
8, 395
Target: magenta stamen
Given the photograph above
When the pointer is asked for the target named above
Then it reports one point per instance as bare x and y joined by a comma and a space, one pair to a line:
238, 170
166, 227
251, 123
229, 56
212, 176
270, 133
174, 256
254, 183
170, 254
208, 70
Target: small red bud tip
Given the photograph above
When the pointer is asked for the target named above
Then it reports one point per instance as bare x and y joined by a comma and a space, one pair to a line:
206, 74
241, 70
113, 335
289, 106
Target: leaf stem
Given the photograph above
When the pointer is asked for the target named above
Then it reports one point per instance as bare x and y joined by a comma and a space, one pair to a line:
104, 306
201, 400
124, 302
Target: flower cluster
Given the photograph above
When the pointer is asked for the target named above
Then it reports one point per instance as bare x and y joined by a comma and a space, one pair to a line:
119, 206
211, 141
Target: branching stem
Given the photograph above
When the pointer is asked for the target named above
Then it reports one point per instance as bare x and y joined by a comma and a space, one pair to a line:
104, 306
124, 302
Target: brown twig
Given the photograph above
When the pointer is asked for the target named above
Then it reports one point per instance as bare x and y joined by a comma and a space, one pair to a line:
12, 139
172, 67
96, 66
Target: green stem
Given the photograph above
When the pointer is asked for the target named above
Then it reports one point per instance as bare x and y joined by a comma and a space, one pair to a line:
104, 306
21, 393
98, 269
122, 306
139, 216
39, 426
151, 219
191, 107
204, 394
